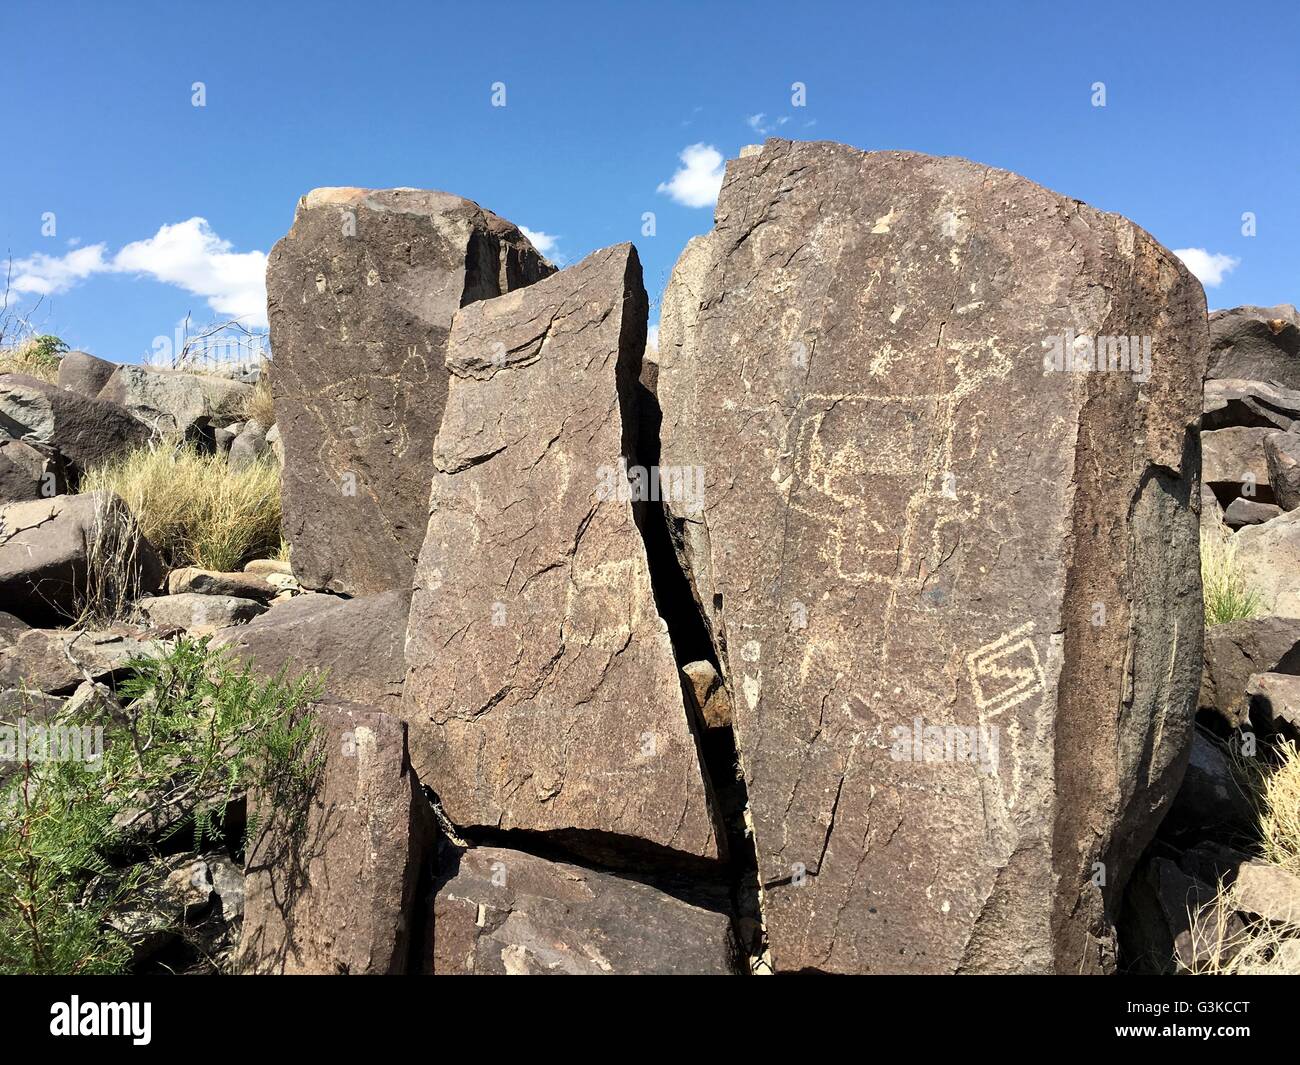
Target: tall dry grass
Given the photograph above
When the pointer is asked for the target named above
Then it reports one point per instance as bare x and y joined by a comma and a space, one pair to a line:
1228, 596
32, 357
193, 508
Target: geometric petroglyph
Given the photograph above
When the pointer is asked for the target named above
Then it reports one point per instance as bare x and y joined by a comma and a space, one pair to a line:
1005, 674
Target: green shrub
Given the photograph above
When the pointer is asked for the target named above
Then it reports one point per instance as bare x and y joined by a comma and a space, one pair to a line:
198, 731
36, 356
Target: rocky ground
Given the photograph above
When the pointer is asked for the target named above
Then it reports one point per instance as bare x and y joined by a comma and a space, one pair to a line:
844, 633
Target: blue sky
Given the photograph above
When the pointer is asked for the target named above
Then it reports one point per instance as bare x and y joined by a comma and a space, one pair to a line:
1202, 109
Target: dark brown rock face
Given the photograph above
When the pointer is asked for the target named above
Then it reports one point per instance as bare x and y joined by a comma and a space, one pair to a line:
330, 888
87, 432
84, 374
1236, 651
502, 912
361, 294
52, 551
954, 585
357, 643
28, 473
1256, 344
541, 690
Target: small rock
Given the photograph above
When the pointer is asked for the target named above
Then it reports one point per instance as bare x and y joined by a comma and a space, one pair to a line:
248, 447
1282, 458
195, 612
28, 473
1242, 511
707, 694
243, 585
1268, 891
1275, 701
265, 566
1232, 463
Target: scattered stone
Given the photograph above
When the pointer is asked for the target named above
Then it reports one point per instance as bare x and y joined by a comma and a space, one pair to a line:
208, 582
1211, 802
1268, 891
249, 447
84, 374
176, 404
1174, 924
1232, 463
273, 439
503, 912
359, 321
266, 566
1268, 558
708, 696
1275, 702
540, 672
330, 884
1248, 404
26, 473
196, 612
58, 660
1256, 344
155, 916
53, 555
357, 643
1242, 511
87, 432
1235, 652
221, 441
848, 358
1282, 459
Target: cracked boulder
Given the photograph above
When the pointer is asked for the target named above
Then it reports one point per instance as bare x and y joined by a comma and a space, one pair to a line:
331, 874
361, 294
175, 404
541, 686
356, 643
61, 554
947, 548
500, 912
1256, 344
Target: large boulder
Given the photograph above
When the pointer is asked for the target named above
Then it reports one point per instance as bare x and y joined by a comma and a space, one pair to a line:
58, 555
1248, 404
197, 612
177, 404
1268, 559
84, 374
87, 432
331, 878
954, 587
361, 294
29, 473
1282, 457
1233, 464
500, 912
1235, 652
1256, 344
542, 689
58, 660
356, 643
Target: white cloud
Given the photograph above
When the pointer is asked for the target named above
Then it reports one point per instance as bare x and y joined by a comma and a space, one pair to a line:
48, 275
187, 254
698, 180
543, 242
759, 124
1210, 268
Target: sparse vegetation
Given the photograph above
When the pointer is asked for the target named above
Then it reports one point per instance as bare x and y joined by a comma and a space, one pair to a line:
197, 731
260, 407
36, 356
193, 508
1228, 596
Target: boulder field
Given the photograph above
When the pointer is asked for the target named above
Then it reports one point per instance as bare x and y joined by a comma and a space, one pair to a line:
858, 628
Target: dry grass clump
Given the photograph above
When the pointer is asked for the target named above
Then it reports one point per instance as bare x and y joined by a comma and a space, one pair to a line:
193, 508
1228, 597
259, 407
34, 356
